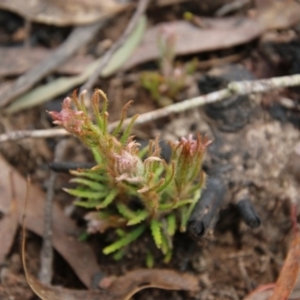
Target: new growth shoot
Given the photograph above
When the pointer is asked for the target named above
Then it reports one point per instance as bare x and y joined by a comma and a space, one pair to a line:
132, 190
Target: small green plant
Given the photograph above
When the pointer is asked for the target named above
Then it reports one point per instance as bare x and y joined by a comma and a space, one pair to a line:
165, 85
132, 190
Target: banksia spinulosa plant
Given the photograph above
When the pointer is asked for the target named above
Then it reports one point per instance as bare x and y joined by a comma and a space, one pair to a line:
130, 189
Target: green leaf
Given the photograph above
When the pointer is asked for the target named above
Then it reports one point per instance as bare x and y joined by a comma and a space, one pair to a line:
130, 237
143, 151
168, 257
171, 174
171, 224
127, 130
91, 184
184, 218
93, 175
156, 232
164, 244
140, 216
196, 198
167, 206
120, 232
149, 260
97, 155
87, 204
108, 199
83, 237
91, 203
119, 255
125, 211
86, 193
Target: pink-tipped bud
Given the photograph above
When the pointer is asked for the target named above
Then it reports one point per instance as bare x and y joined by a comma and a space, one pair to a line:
72, 120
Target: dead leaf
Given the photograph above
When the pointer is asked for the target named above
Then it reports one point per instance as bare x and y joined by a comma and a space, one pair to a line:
63, 13
15, 61
261, 293
280, 14
137, 280
289, 272
77, 38
191, 39
288, 283
219, 33
64, 230
58, 86
8, 226
121, 288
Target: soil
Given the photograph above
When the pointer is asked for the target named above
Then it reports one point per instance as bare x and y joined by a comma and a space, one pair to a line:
253, 152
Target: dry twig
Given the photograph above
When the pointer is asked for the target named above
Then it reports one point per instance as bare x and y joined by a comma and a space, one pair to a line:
45, 275
233, 88
142, 6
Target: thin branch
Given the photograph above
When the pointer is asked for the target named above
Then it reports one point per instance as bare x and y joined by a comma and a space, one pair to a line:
233, 88
45, 274
141, 8
35, 134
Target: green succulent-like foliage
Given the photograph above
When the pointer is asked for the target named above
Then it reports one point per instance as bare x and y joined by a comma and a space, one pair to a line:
132, 190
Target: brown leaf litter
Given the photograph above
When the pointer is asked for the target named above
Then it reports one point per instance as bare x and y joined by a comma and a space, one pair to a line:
63, 13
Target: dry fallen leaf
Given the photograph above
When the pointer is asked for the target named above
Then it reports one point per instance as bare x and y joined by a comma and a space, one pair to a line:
191, 39
64, 230
63, 13
219, 33
15, 61
59, 86
77, 38
279, 14
288, 283
120, 288
289, 272
8, 225
261, 293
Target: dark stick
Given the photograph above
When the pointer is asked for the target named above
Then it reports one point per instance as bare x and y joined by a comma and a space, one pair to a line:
248, 213
206, 210
45, 274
